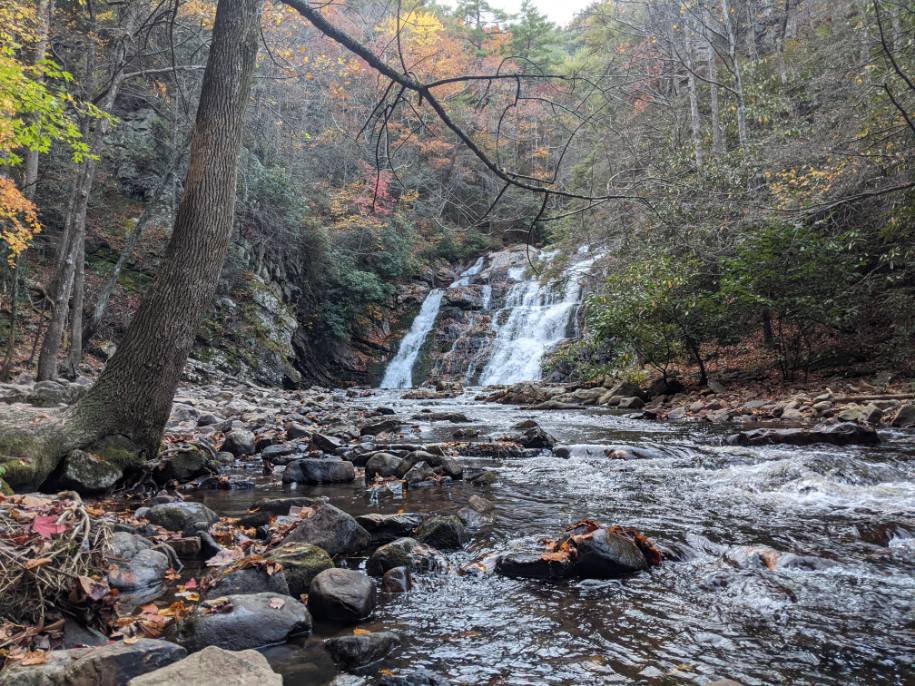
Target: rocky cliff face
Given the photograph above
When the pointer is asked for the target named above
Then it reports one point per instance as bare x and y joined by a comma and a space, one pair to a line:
265, 326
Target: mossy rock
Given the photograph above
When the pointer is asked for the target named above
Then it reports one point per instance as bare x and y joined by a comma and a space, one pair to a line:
84, 473
301, 562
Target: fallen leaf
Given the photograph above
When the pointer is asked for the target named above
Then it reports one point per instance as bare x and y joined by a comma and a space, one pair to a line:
277, 603
47, 526
39, 562
361, 632
94, 589
34, 658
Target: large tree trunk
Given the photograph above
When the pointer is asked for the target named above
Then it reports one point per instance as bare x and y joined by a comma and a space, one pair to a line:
133, 396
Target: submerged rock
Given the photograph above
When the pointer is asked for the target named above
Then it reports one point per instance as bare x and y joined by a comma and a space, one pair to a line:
605, 554
359, 650
533, 566
846, 433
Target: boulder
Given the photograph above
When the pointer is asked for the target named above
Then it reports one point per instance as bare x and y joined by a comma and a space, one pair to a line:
317, 471
443, 532
109, 665
631, 403
341, 595
331, 529
301, 562
239, 442
404, 552
386, 528
606, 555
359, 650
381, 465
250, 580
180, 516
325, 442
245, 621
214, 666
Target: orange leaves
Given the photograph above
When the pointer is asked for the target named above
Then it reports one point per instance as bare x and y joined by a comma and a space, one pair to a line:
18, 219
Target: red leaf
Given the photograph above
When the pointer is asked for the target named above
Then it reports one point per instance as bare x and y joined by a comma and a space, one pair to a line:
47, 526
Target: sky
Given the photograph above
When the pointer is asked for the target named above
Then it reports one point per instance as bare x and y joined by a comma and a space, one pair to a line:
559, 11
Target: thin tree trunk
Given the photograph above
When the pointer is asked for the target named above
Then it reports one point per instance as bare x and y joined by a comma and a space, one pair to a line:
30, 166
133, 396
738, 78
718, 146
694, 118
14, 312
76, 221
76, 310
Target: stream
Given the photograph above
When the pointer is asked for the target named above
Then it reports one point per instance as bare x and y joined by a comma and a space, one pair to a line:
712, 609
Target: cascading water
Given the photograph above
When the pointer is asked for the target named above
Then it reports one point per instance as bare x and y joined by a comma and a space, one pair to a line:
535, 318
399, 372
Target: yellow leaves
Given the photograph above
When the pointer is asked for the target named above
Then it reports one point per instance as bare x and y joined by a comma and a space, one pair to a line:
18, 220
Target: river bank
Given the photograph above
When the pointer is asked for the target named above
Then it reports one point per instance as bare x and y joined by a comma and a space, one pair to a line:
779, 563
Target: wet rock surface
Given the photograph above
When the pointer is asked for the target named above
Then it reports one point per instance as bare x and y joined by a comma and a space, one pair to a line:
239, 622
342, 596
110, 665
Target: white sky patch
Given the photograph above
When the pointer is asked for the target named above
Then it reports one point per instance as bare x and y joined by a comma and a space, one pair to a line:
559, 11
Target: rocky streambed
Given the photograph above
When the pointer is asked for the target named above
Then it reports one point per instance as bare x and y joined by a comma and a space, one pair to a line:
457, 540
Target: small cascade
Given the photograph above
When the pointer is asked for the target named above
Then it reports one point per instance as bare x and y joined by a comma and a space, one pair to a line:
399, 372
533, 320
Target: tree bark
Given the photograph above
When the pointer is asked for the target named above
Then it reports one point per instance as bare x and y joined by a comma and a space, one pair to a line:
133, 396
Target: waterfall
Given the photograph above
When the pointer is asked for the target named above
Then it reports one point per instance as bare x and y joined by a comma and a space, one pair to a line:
534, 319
399, 372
